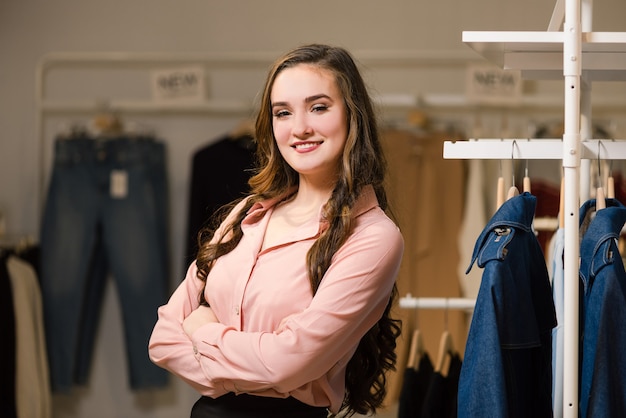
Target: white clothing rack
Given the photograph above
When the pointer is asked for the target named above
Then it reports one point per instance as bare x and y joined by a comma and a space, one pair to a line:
52, 62
578, 56
410, 302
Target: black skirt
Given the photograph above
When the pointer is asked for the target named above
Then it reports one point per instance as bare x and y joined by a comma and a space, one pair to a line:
250, 406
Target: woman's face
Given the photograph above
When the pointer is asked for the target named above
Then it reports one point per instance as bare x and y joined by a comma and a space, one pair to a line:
309, 121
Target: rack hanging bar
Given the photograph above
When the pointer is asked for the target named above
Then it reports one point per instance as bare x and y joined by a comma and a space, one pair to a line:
213, 106
410, 302
535, 149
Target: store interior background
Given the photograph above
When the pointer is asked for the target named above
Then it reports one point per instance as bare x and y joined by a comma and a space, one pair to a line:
31, 29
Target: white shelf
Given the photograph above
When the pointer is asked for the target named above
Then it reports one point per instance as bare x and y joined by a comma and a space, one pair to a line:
531, 149
539, 54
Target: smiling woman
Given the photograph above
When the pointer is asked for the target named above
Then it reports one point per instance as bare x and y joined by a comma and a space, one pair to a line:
310, 124
287, 309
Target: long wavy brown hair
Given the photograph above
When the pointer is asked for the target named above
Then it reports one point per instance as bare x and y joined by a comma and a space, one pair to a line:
362, 164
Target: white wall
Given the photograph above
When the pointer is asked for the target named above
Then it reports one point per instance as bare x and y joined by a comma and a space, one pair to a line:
29, 29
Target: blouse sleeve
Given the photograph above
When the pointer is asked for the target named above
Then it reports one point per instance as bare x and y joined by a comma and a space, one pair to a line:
350, 300
169, 346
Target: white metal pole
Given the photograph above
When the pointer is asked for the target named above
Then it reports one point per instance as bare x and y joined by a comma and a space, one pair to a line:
586, 124
572, 55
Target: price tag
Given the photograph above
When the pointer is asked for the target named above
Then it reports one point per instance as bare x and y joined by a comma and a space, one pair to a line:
487, 84
119, 184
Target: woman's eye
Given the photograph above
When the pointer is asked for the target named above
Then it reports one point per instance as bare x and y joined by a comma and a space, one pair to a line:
320, 108
281, 113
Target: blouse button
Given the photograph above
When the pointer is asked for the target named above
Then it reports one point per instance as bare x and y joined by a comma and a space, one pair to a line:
237, 310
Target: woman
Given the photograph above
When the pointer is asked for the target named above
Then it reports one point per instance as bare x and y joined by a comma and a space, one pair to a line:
286, 311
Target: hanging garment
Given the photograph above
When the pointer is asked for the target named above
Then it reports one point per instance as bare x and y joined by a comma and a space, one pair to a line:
507, 364
474, 217
558, 284
441, 399
603, 374
8, 407
414, 387
106, 212
32, 381
426, 196
219, 175
548, 198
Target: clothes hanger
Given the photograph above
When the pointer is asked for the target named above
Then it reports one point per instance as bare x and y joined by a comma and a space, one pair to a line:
446, 348
106, 122
416, 350
500, 189
600, 196
416, 346
526, 183
610, 183
513, 190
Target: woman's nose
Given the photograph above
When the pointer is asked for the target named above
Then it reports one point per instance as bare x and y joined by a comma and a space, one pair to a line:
302, 127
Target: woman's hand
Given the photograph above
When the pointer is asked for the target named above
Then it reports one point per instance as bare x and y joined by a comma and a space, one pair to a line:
202, 315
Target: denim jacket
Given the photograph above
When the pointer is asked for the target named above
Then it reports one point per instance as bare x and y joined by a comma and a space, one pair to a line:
507, 369
603, 374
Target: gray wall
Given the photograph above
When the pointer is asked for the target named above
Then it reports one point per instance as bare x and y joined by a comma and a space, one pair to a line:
29, 29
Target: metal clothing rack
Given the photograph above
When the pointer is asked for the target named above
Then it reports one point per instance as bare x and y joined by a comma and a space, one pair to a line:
410, 302
52, 63
579, 57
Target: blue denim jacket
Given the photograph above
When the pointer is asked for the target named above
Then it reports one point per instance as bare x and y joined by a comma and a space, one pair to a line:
603, 374
507, 369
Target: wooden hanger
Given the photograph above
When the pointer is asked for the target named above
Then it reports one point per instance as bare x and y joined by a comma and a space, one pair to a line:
416, 350
446, 348
600, 199
600, 196
610, 183
500, 192
526, 186
513, 191
106, 122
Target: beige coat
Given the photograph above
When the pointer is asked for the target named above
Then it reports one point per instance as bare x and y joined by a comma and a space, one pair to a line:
426, 197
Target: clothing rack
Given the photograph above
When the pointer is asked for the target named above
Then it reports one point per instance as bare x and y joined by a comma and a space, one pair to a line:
410, 302
52, 63
578, 56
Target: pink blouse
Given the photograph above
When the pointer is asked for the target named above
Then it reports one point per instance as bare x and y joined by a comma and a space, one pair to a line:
274, 338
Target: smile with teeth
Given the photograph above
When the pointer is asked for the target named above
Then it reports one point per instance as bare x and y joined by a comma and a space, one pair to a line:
306, 145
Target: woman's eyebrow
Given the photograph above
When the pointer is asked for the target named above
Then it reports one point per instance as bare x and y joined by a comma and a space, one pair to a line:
307, 100
316, 97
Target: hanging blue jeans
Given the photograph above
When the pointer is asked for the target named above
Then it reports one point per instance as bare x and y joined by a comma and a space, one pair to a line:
105, 213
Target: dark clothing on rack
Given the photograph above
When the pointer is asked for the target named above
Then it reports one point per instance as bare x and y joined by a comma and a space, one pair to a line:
219, 175
8, 407
603, 374
414, 387
507, 365
250, 406
441, 399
